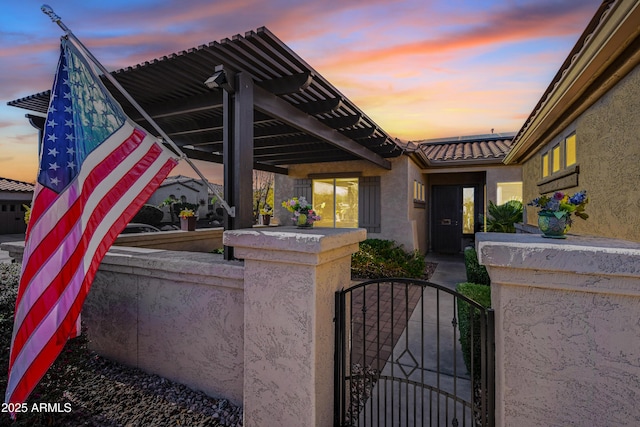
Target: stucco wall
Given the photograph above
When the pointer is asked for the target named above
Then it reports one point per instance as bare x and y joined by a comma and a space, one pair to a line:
400, 221
566, 329
176, 314
607, 152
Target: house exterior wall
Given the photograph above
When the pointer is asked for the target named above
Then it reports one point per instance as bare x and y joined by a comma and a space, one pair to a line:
400, 220
607, 152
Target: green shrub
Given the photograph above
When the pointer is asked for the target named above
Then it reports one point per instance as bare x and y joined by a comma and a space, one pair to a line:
378, 258
476, 273
502, 217
482, 295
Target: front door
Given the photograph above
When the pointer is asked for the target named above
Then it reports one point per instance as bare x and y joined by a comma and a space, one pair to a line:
446, 222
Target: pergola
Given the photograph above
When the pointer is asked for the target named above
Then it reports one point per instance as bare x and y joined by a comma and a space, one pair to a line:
262, 107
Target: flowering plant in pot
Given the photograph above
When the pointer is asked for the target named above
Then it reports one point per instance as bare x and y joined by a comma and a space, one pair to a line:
266, 212
303, 213
187, 219
554, 217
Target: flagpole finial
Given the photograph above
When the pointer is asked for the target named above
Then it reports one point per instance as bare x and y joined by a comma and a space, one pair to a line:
47, 10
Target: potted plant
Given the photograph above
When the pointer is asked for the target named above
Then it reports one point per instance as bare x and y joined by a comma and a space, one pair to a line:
554, 217
303, 214
187, 220
266, 213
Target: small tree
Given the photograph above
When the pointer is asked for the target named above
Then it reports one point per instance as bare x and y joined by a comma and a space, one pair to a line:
262, 191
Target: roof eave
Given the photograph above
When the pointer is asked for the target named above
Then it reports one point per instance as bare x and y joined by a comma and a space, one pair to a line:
465, 162
579, 82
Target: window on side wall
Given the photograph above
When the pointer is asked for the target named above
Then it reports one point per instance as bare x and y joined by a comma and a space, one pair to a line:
559, 165
570, 150
560, 156
418, 194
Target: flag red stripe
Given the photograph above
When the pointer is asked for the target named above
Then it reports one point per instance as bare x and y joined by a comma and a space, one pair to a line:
50, 243
44, 197
39, 309
54, 346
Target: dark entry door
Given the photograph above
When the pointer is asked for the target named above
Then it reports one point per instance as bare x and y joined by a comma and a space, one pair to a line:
446, 223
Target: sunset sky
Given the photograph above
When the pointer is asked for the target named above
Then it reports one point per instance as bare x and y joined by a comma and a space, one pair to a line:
419, 68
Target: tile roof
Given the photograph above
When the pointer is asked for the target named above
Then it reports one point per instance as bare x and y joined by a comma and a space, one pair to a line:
12, 185
489, 148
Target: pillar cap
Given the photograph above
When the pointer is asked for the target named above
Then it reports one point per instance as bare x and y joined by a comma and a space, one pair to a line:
576, 254
291, 243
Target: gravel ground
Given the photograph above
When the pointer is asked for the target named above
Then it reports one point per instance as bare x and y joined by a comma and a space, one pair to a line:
90, 390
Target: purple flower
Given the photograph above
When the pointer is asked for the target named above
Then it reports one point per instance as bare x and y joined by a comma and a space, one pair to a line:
558, 196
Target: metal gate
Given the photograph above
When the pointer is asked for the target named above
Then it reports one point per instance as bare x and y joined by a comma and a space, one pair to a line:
399, 358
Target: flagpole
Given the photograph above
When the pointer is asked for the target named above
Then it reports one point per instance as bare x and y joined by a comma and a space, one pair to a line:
47, 10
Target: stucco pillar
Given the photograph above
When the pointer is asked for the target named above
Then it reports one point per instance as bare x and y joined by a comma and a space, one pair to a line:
291, 276
567, 328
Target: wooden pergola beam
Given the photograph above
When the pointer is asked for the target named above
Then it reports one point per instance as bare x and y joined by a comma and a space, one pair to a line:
287, 113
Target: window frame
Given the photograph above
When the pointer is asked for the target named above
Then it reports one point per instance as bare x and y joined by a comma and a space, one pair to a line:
566, 176
334, 197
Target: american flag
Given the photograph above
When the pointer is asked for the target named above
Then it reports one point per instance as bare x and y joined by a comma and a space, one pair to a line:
97, 169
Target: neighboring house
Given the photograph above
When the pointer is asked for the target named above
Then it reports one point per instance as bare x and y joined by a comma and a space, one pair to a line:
584, 133
13, 195
183, 189
432, 198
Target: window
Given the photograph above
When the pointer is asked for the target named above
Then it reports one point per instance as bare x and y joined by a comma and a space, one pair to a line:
336, 201
509, 191
555, 153
545, 165
560, 157
364, 200
468, 210
418, 194
570, 150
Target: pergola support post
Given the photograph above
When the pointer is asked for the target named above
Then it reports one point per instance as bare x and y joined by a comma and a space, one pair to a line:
238, 154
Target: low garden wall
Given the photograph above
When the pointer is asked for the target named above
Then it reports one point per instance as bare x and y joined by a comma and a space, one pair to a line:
200, 240
258, 332
566, 329
176, 314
